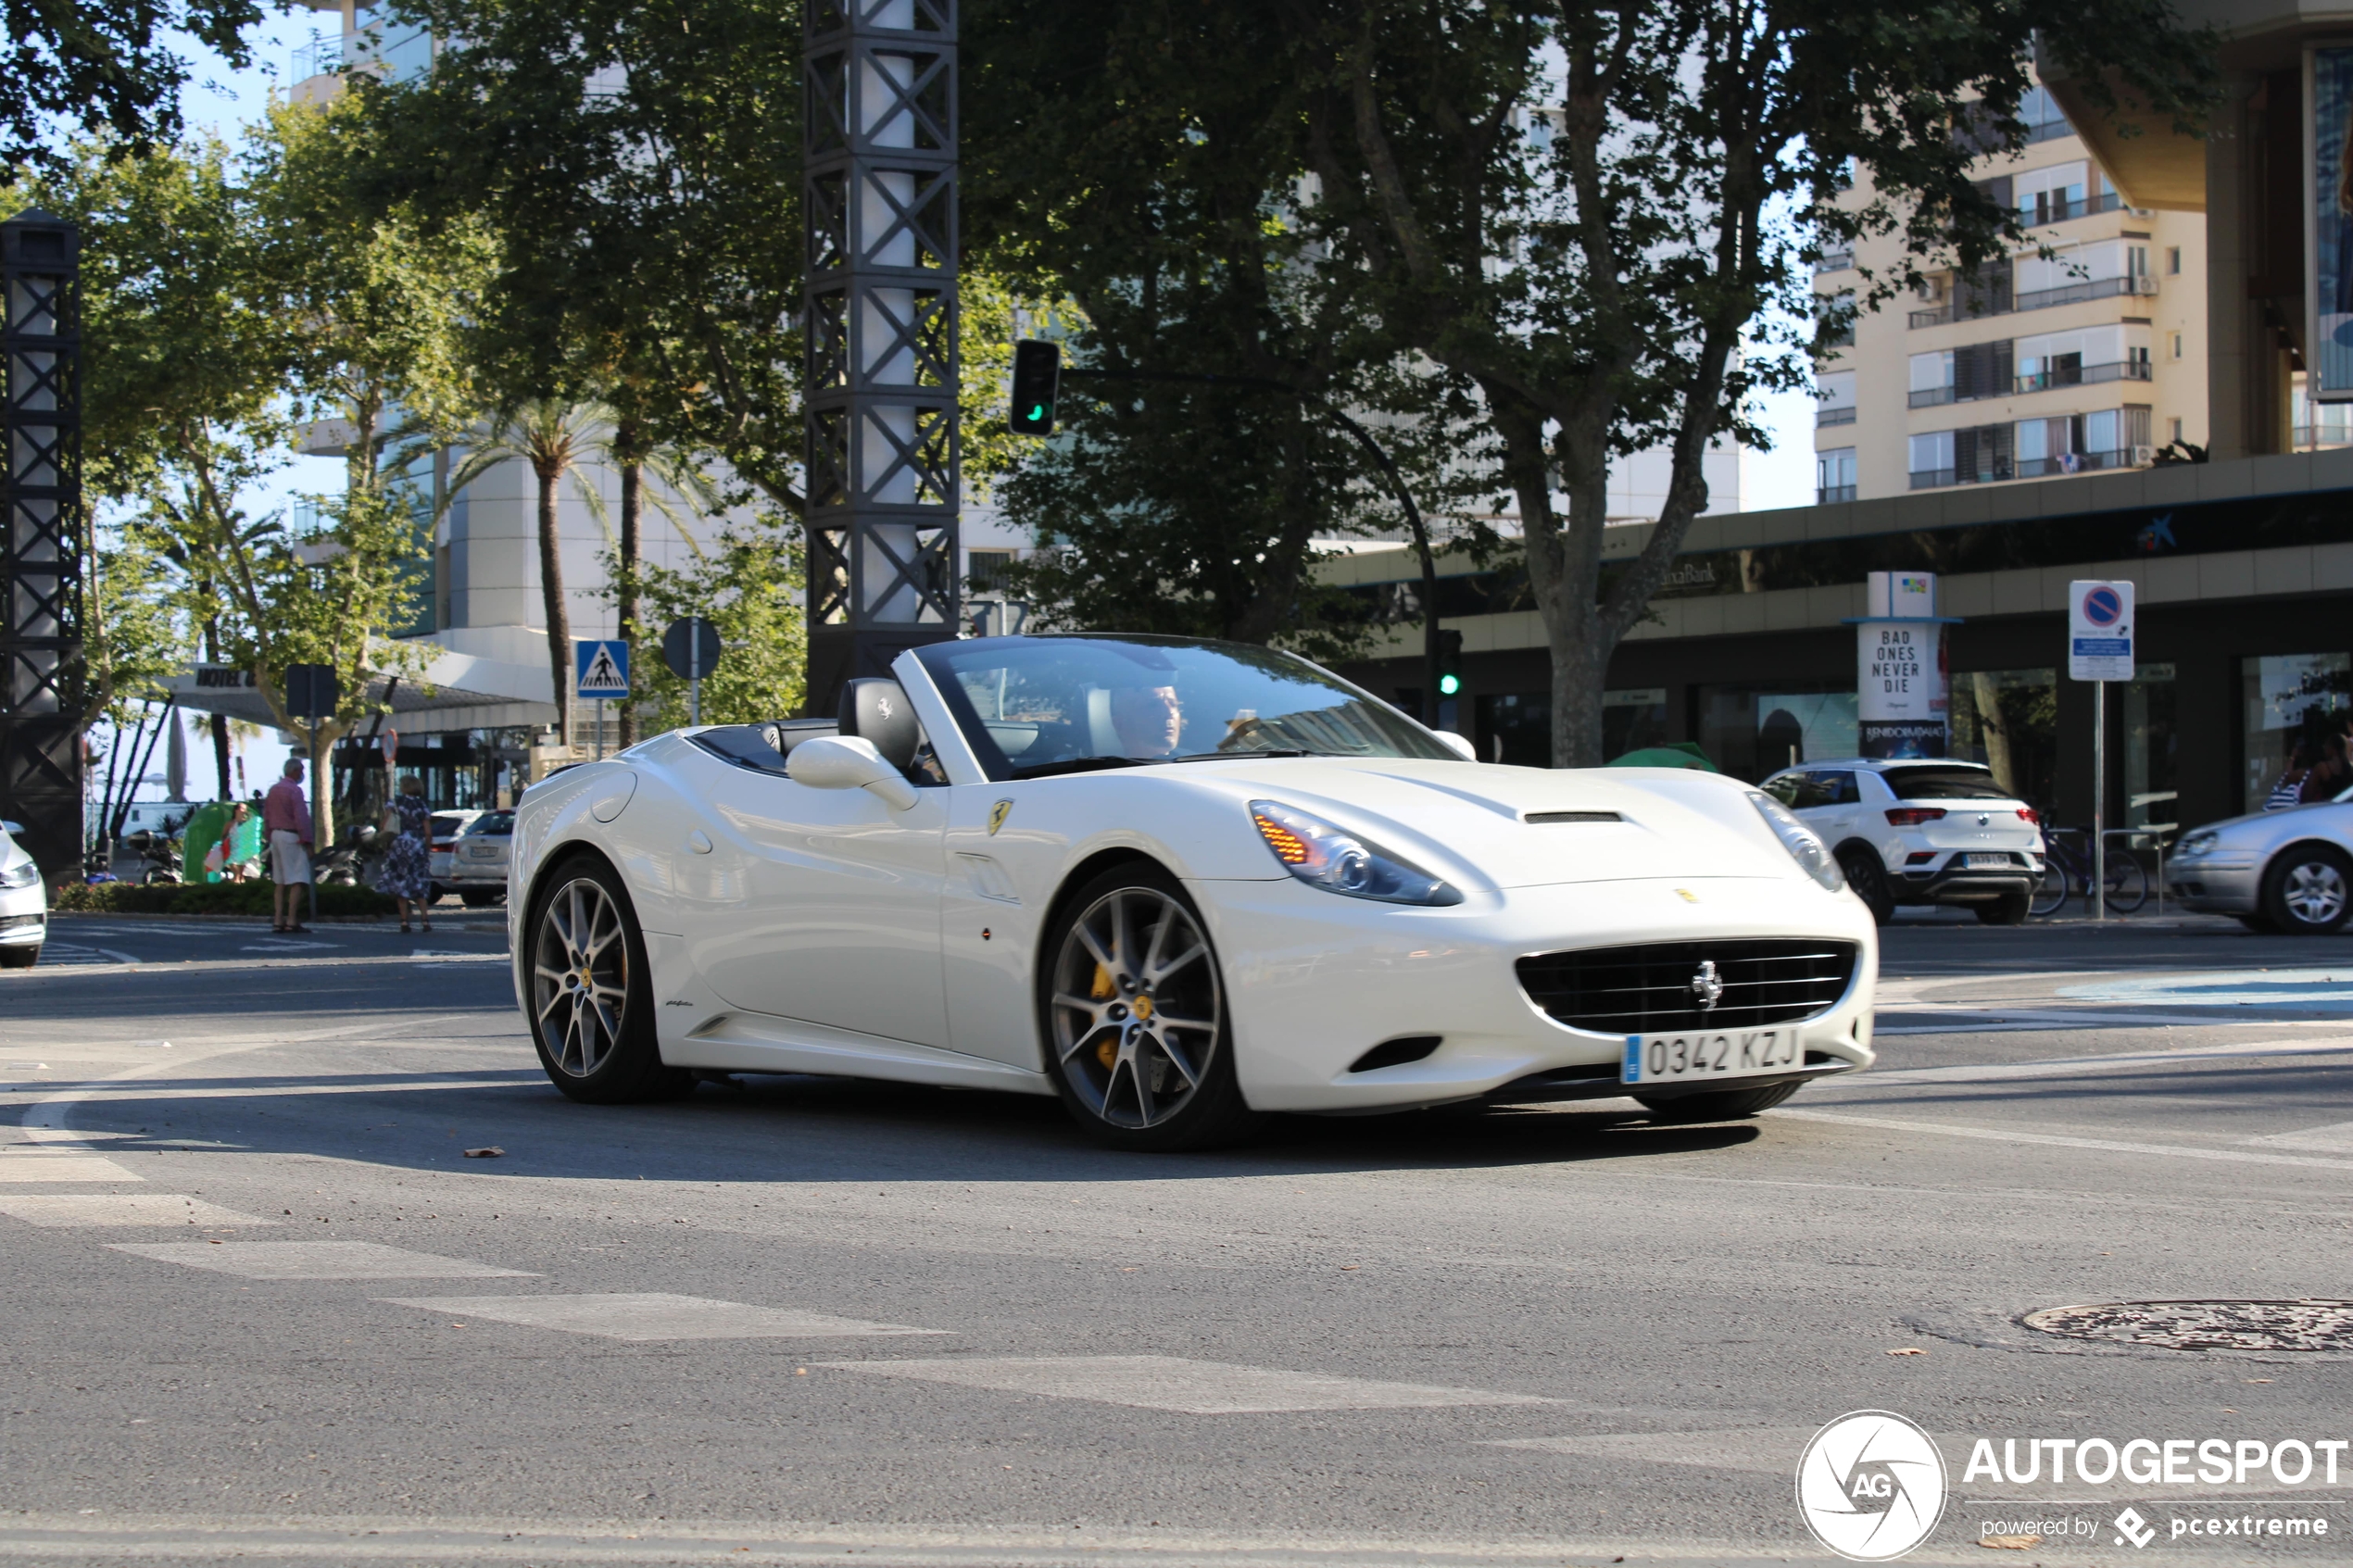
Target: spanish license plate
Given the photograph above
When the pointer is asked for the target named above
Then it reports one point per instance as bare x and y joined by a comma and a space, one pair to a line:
1976, 862
1727, 1053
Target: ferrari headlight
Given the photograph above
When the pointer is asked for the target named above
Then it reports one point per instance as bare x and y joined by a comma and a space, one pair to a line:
1338, 862
1798, 839
25, 876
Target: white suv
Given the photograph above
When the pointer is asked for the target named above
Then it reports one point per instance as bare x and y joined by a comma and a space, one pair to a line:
1920, 832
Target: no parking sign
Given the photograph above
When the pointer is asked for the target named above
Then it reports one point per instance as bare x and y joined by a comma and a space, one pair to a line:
2099, 631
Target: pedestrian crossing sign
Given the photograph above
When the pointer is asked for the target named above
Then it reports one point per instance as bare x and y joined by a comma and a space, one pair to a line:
600, 666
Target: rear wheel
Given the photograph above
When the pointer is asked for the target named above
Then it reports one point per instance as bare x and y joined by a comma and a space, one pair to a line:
591, 998
1724, 1106
19, 958
2008, 909
1868, 879
2307, 890
1135, 1012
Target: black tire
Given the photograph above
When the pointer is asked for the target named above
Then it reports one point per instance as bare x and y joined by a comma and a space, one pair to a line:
2307, 890
1726, 1105
2128, 883
1138, 1039
1868, 879
595, 1040
2049, 896
2008, 909
479, 897
19, 958
2259, 924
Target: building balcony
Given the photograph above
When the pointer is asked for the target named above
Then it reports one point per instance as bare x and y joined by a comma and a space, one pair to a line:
1835, 261
2004, 469
2040, 299
1825, 494
1845, 416
2042, 381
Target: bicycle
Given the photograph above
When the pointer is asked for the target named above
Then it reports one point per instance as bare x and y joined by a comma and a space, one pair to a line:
2067, 869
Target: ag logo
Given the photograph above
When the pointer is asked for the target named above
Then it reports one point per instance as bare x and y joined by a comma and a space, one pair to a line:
997, 815
1870, 1485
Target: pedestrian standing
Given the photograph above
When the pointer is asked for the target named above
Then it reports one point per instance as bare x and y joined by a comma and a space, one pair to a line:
285, 823
2289, 790
407, 868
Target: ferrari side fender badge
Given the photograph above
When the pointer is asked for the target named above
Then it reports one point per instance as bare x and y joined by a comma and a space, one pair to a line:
1687, 896
997, 815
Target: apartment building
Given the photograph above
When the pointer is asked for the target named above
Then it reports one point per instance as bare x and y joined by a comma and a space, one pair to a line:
2081, 353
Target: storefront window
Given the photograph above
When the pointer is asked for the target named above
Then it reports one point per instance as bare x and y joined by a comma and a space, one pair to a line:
1516, 727
2009, 720
2152, 794
1753, 730
2290, 698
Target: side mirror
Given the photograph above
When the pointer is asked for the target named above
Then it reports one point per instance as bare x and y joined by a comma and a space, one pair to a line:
13, 829
1460, 745
848, 762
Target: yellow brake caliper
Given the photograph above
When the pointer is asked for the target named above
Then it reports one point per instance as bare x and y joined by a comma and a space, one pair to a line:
1104, 990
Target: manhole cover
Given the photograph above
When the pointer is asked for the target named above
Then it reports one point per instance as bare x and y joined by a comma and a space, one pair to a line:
2205, 1325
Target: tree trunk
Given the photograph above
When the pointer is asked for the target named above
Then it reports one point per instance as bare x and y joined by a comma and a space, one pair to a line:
220, 722
625, 601
551, 587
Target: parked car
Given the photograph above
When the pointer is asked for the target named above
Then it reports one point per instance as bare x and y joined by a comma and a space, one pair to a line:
1915, 832
442, 853
478, 868
24, 903
2287, 871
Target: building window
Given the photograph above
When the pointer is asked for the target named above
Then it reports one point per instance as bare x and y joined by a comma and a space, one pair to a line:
2177, 345
2290, 699
1931, 460
2173, 429
1834, 475
1834, 400
986, 569
1837, 326
1932, 379
2173, 261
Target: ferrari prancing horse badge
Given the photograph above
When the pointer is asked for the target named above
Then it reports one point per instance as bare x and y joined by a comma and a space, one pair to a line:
997, 815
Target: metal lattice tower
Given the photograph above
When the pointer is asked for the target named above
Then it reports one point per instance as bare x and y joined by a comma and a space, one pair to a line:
879, 200
41, 667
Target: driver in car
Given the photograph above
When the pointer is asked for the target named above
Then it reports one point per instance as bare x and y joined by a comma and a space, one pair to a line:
1149, 721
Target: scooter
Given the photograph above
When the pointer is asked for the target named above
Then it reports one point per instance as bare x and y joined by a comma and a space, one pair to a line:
341, 863
159, 856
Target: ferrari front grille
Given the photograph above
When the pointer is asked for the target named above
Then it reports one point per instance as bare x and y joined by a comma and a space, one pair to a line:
1658, 987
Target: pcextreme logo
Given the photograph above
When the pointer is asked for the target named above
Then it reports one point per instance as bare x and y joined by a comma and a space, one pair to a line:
1870, 1485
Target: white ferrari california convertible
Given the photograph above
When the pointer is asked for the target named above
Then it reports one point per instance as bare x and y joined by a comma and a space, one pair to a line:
1177, 883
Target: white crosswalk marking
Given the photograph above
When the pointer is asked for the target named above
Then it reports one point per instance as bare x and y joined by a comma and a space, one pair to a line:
651, 1316
313, 1259
120, 1209
19, 1165
1770, 1450
1173, 1383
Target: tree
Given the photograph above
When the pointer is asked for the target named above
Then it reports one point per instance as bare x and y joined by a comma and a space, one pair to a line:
102, 66
747, 584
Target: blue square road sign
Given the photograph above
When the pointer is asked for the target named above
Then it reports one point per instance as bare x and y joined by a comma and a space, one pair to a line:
600, 666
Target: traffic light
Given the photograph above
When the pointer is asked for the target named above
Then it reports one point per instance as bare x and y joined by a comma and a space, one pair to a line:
1037, 376
1449, 663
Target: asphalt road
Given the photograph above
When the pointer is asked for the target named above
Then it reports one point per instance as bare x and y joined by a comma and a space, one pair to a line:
260, 1304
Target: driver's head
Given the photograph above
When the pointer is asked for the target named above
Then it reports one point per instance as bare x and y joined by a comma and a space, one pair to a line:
1149, 719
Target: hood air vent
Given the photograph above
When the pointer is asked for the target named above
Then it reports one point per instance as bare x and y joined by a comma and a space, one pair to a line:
1545, 817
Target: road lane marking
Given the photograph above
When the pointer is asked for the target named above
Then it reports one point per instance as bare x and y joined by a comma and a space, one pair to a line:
120, 1209
2337, 1136
2300, 990
1174, 1383
63, 1167
2056, 1140
1769, 1451
654, 1316
2070, 1066
2011, 1021
313, 1259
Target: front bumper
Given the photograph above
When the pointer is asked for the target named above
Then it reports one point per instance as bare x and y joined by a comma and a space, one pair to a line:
2215, 886
24, 917
1315, 980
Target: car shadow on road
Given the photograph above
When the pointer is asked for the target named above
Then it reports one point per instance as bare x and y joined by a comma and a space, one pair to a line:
797, 1129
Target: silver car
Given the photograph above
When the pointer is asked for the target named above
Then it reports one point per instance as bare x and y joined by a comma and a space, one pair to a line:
24, 903
2287, 871
478, 861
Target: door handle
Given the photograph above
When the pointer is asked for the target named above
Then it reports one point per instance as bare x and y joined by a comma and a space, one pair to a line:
698, 843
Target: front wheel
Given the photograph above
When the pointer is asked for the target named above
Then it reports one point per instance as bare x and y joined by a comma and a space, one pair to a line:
1134, 1010
591, 994
21, 956
1868, 879
1726, 1105
2307, 890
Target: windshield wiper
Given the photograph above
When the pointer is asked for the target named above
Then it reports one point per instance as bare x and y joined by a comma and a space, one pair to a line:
1244, 751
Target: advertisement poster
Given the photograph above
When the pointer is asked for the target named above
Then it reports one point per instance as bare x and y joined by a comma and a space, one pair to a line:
1903, 688
2331, 224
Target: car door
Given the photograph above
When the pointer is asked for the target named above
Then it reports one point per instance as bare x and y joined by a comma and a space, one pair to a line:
1836, 805
831, 912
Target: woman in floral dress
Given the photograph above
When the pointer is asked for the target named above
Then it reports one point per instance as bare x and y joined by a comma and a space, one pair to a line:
407, 868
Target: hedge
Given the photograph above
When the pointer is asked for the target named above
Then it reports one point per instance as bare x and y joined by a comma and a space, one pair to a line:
210, 899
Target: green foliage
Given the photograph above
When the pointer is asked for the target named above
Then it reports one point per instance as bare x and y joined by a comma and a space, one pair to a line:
748, 585
211, 898
108, 67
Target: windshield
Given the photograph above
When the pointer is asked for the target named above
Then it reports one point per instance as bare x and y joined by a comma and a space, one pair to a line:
1945, 784
494, 822
1035, 706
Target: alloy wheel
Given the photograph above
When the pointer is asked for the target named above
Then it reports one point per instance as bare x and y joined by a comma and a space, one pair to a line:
1136, 1006
2314, 893
580, 976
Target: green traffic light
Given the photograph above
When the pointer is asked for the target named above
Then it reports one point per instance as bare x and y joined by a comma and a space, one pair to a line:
1449, 684
1038, 414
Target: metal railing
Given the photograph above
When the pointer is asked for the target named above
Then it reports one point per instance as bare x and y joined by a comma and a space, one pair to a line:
2063, 212
2080, 462
2039, 299
1843, 416
1835, 261
2087, 375
321, 56
1825, 494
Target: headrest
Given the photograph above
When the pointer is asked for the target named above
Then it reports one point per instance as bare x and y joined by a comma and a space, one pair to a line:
878, 710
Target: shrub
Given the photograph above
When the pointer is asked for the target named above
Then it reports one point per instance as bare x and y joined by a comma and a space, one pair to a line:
210, 899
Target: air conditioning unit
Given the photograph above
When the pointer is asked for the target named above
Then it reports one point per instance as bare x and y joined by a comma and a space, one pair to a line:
2144, 456
2143, 283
